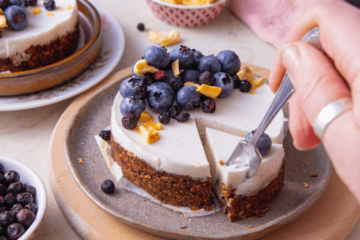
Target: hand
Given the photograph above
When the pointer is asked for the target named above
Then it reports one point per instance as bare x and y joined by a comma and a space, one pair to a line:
318, 83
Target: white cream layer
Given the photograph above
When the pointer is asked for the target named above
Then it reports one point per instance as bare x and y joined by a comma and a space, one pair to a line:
219, 146
40, 30
180, 150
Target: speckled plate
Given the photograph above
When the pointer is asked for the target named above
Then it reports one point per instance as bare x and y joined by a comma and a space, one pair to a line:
293, 199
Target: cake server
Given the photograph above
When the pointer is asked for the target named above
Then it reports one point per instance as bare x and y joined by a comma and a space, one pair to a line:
247, 152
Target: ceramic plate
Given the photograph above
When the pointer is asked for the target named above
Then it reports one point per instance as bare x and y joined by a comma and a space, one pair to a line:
293, 199
112, 50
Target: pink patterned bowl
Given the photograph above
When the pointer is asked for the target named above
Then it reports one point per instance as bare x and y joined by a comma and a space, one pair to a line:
186, 16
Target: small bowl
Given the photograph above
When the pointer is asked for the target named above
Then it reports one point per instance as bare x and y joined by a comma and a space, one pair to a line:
28, 176
186, 16
55, 74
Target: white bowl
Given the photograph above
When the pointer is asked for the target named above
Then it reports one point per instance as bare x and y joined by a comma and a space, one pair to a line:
28, 176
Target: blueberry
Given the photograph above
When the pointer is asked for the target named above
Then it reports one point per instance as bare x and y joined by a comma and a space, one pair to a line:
264, 144
2, 180
30, 189
4, 4
7, 218
127, 87
174, 111
3, 238
15, 188
198, 56
2, 201
164, 117
230, 62
175, 82
129, 121
20, 3
16, 207
32, 3
183, 117
148, 79
16, 17
2, 169
190, 75
11, 177
32, 207
132, 105
24, 198
188, 98
25, 217
245, 86
3, 209
140, 90
141, 27
224, 81
209, 105
10, 199
2, 231
15, 231
108, 186
160, 97
157, 56
49, 5
209, 63
206, 78
236, 81
105, 135
184, 54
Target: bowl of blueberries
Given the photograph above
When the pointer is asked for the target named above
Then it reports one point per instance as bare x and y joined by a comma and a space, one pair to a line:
22, 200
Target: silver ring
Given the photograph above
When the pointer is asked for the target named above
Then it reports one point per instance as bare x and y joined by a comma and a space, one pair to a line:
329, 113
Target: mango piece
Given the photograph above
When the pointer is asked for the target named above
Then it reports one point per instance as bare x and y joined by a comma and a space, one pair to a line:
68, 7
258, 82
151, 124
3, 21
192, 84
150, 135
209, 91
145, 116
141, 67
175, 68
1, 11
36, 11
50, 14
164, 38
246, 74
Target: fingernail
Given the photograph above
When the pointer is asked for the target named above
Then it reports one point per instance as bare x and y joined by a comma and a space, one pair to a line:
298, 148
290, 57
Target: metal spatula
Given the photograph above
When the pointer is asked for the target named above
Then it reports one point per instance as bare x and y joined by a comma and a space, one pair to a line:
247, 152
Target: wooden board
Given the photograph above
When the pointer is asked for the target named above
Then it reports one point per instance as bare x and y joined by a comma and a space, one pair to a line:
332, 217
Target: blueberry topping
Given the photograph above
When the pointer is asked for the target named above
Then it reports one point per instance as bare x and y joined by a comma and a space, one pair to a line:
185, 55
11, 177
209, 105
175, 82
209, 63
3, 209
129, 121
16, 207
206, 78
141, 27
49, 5
20, 3
7, 218
108, 186
174, 111
105, 135
188, 98
2, 181
157, 56
132, 105
4, 4
148, 79
245, 86
15, 188
127, 87
224, 81
230, 62
236, 81
24, 198
25, 217
264, 144
2, 201
30, 189
160, 97
16, 17
139, 90
3, 238
32, 3
2, 231
164, 117
198, 56
160, 76
15, 231
32, 207
2, 169
10, 199
183, 117
190, 75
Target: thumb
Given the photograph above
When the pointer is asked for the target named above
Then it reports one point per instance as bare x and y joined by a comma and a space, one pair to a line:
317, 83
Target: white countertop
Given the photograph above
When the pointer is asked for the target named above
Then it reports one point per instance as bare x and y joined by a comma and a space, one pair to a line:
25, 135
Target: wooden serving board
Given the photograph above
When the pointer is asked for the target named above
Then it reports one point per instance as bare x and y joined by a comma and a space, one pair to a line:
332, 217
